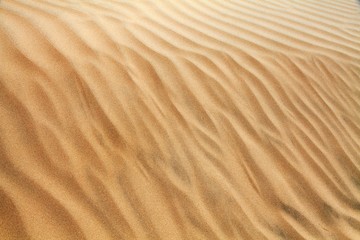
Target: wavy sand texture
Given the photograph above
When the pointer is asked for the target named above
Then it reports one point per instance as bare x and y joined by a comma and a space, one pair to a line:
179, 119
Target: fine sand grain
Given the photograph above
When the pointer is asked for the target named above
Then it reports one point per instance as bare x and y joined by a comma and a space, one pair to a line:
179, 119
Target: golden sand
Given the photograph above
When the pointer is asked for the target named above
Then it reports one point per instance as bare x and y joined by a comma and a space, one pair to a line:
179, 119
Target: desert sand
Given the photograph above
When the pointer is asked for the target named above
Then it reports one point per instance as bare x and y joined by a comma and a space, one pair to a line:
179, 119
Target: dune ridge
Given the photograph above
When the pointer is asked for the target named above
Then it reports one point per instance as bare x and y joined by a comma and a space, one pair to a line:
185, 119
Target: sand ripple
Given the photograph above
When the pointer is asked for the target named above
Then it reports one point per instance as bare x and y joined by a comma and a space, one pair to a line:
179, 119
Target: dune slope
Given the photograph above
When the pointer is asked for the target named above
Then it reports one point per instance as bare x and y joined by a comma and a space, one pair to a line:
179, 119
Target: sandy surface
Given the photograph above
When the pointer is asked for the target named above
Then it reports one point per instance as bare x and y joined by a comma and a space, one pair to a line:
183, 119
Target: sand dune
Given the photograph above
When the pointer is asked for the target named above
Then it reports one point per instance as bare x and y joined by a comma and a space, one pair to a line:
180, 119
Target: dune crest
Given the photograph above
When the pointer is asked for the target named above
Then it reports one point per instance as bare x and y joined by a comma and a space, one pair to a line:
183, 119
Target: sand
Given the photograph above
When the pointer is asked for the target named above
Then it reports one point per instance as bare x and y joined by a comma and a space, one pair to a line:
179, 119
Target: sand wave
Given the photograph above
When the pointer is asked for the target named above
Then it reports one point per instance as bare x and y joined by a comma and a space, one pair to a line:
179, 119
